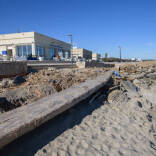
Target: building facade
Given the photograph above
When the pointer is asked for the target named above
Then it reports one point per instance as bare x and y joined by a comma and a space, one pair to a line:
96, 56
81, 53
33, 44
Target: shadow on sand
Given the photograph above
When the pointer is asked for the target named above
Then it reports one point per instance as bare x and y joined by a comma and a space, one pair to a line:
30, 143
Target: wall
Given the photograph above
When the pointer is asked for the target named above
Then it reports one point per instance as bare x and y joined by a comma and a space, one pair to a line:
17, 38
10, 69
84, 53
49, 42
87, 54
11, 40
77, 52
93, 64
96, 56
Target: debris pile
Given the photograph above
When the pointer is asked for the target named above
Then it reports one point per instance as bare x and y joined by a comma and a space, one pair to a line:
23, 90
137, 70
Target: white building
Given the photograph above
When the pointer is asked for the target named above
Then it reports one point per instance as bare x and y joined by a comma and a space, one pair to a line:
32, 43
81, 53
96, 56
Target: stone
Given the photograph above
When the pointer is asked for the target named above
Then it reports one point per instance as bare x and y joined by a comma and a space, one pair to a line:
13, 98
6, 82
152, 75
130, 88
19, 80
139, 104
117, 96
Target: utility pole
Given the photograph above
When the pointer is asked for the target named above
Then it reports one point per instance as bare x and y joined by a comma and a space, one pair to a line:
71, 42
120, 52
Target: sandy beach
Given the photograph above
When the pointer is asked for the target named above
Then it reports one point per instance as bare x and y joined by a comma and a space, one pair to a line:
120, 124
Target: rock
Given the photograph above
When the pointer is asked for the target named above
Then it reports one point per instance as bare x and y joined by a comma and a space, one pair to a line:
117, 96
52, 81
149, 117
139, 104
13, 98
20, 96
41, 90
19, 80
136, 82
130, 88
51, 68
6, 83
1, 110
152, 75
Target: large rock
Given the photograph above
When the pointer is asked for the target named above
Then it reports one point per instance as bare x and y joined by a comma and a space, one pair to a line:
152, 75
117, 96
21, 96
6, 82
130, 88
19, 80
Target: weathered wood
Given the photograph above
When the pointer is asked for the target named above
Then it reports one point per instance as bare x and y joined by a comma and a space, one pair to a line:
17, 122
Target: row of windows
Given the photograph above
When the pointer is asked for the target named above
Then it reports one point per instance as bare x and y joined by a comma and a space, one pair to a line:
26, 50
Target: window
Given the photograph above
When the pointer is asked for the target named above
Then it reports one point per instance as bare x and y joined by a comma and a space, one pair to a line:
66, 55
24, 50
29, 50
60, 53
19, 51
40, 51
50, 53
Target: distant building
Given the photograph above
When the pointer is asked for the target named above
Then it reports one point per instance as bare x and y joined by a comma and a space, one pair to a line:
96, 56
32, 43
81, 53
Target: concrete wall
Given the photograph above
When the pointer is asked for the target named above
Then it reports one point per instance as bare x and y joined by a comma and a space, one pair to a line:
93, 64
96, 56
17, 38
84, 53
87, 54
10, 69
10, 41
77, 52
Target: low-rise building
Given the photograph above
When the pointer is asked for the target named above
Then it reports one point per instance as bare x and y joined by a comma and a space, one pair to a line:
33, 44
81, 53
96, 56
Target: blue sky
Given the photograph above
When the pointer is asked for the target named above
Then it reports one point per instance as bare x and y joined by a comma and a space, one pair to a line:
98, 25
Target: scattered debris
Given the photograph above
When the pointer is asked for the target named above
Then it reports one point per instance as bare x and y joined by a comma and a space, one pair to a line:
24, 90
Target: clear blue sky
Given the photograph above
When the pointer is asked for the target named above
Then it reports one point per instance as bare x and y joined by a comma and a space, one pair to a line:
98, 25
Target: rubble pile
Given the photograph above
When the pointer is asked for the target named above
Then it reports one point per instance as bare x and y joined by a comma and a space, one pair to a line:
23, 90
137, 76
137, 70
